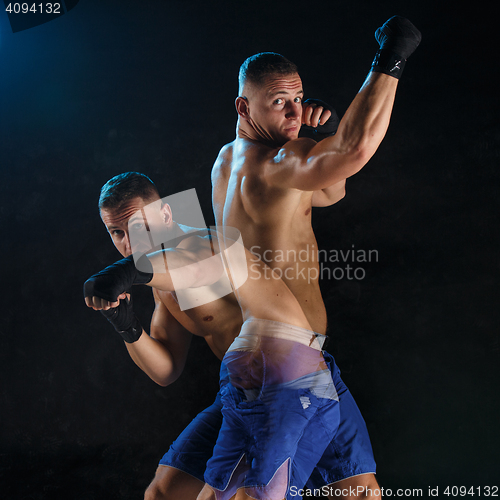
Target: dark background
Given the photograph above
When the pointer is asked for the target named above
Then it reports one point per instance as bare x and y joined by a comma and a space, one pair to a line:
114, 86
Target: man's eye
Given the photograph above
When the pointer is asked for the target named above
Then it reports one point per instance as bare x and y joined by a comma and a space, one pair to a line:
137, 226
117, 232
298, 99
279, 101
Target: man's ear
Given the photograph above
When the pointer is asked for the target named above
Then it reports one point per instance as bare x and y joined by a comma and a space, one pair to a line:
242, 107
166, 214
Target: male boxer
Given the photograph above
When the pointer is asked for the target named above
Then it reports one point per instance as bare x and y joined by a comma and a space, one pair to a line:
162, 354
274, 380
266, 182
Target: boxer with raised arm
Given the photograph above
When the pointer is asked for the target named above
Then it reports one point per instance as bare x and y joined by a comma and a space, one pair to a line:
267, 180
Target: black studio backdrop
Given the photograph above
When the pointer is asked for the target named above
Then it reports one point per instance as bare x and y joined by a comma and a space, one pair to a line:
117, 86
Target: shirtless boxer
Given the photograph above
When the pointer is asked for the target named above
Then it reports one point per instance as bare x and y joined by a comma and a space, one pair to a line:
266, 182
162, 354
274, 380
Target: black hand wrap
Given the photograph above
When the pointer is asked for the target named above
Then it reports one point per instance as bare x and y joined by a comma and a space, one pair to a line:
398, 38
124, 321
321, 131
112, 282
117, 278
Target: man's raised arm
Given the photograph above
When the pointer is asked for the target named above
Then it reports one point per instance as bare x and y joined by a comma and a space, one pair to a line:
309, 166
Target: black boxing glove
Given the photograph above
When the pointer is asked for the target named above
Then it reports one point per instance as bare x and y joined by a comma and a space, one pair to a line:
124, 320
398, 38
321, 131
118, 278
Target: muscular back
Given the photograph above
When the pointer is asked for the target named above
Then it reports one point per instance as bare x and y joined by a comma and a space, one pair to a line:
275, 222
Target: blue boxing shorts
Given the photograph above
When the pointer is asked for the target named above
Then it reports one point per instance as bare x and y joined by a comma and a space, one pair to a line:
193, 448
278, 386
348, 454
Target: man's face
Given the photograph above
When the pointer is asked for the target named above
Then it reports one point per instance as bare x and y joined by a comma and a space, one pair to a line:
132, 225
275, 107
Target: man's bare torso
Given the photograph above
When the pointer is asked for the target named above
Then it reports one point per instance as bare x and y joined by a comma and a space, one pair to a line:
218, 322
275, 223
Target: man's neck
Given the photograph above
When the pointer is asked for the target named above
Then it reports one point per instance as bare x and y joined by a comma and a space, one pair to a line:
250, 132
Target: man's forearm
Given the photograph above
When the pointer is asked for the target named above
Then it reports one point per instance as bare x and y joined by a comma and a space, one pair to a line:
154, 359
329, 195
360, 133
366, 121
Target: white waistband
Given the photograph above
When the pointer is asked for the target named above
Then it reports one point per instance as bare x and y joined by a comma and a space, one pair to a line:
253, 329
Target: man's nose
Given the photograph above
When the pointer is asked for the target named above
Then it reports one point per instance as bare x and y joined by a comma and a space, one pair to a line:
294, 110
128, 246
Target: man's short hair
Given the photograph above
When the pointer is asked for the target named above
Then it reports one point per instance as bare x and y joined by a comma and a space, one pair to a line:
124, 187
258, 67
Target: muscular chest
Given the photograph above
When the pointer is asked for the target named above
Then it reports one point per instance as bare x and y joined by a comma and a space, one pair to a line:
220, 319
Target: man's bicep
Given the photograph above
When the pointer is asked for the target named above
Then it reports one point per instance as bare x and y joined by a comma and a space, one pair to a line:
284, 167
309, 166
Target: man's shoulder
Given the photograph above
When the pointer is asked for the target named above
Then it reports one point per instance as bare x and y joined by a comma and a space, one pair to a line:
194, 239
241, 147
222, 165
227, 148
270, 155
247, 157
225, 153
